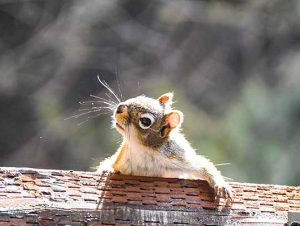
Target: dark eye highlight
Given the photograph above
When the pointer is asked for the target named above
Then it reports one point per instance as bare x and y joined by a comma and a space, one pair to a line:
146, 120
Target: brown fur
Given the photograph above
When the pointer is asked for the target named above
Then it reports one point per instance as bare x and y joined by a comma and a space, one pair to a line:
116, 164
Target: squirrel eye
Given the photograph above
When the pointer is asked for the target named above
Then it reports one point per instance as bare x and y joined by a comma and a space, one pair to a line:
146, 120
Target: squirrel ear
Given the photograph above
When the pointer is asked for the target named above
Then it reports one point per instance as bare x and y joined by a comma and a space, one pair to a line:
166, 98
172, 120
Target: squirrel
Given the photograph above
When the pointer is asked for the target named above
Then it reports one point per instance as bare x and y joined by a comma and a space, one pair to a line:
154, 146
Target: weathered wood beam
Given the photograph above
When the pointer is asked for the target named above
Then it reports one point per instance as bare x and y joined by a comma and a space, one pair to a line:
51, 197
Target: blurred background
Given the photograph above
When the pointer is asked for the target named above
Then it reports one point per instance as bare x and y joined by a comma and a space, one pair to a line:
233, 66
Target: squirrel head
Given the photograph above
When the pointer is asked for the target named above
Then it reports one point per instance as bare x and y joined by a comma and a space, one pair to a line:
146, 120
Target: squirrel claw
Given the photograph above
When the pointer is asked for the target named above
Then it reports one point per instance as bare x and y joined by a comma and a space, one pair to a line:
223, 191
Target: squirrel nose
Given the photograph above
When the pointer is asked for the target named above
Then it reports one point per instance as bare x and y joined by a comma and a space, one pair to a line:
121, 108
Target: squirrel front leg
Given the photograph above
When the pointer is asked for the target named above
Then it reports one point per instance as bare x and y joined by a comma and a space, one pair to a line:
217, 182
202, 168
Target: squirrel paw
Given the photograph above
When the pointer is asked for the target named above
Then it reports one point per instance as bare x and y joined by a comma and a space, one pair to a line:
223, 191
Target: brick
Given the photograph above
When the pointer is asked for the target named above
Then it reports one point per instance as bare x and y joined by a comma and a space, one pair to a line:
89, 183
29, 186
132, 182
247, 194
250, 189
135, 202
90, 197
193, 199
28, 194
178, 203
238, 200
14, 195
163, 204
207, 197
105, 193
119, 182
279, 192
14, 189
161, 184
3, 195
281, 207
148, 191
149, 202
251, 198
147, 184
295, 206
237, 207
252, 204
89, 176
281, 199
119, 199
295, 196
57, 173
147, 188
191, 194
41, 184
88, 190
74, 193
118, 193
190, 184
193, 205
10, 174
206, 190
58, 188
178, 196
133, 189
72, 185
162, 191
208, 205
264, 208
25, 178
134, 196
174, 185
149, 195
163, 197
104, 200
115, 189
177, 190
191, 190
265, 196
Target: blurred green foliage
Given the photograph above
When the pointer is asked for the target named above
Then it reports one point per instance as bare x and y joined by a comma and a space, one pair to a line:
233, 66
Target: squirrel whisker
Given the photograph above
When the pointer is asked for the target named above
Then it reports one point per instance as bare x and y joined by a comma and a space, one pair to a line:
108, 88
119, 86
90, 106
112, 101
97, 101
85, 113
94, 108
109, 96
223, 164
92, 117
228, 178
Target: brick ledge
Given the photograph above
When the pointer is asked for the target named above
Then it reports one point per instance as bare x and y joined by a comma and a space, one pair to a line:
50, 197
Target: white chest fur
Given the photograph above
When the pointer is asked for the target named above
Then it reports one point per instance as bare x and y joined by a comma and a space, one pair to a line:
139, 160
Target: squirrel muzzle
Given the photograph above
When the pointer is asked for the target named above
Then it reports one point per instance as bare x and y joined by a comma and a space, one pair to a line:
121, 116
